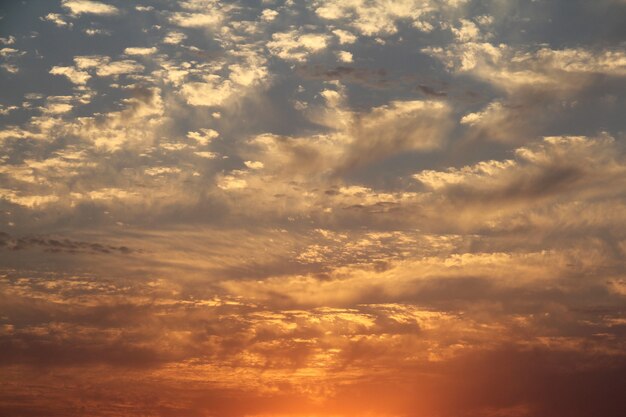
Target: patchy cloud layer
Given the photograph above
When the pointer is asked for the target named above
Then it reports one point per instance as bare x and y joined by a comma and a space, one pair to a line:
322, 208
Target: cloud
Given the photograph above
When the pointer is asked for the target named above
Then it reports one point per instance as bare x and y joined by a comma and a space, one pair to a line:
115, 68
58, 104
10, 68
344, 36
94, 32
268, 15
90, 61
295, 46
214, 90
57, 19
195, 20
551, 176
7, 52
103, 66
557, 71
376, 78
7, 41
77, 77
78, 7
140, 51
398, 127
211, 18
174, 38
204, 136
243, 223
51, 244
373, 17
344, 56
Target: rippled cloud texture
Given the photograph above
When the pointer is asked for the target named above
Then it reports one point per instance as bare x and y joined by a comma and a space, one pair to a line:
326, 208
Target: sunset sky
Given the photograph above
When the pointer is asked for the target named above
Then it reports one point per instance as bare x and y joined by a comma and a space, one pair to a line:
322, 208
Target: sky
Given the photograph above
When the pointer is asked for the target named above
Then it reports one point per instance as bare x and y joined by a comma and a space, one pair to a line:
322, 208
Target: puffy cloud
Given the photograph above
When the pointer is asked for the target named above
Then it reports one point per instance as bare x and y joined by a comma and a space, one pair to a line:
115, 68
78, 7
10, 68
5, 52
556, 175
196, 20
468, 31
344, 56
94, 32
344, 36
204, 136
103, 66
90, 61
207, 14
372, 17
58, 104
557, 71
140, 51
215, 90
398, 127
174, 38
7, 41
75, 76
295, 46
57, 19
268, 15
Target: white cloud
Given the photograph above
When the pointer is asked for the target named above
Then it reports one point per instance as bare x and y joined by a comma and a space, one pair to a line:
7, 41
468, 31
78, 7
94, 32
453, 176
511, 69
13, 69
30, 201
254, 164
268, 15
231, 182
214, 91
344, 56
57, 19
118, 68
58, 105
4, 110
140, 51
247, 74
203, 136
75, 76
197, 20
90, 61
5, 52
174, 38
377, 17
344, 36
294, 46
206, 154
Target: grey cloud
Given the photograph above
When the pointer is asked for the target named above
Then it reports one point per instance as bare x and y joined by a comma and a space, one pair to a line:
377, 78
7, 242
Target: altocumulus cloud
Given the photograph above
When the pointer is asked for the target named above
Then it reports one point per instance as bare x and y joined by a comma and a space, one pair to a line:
302, 209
